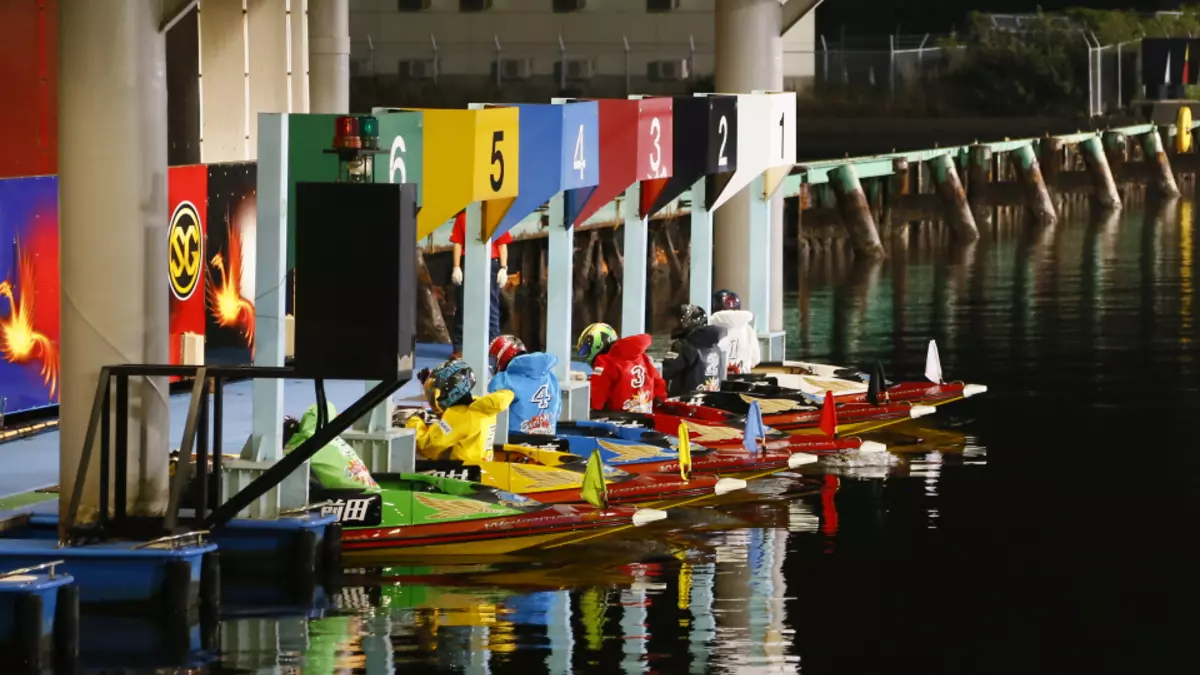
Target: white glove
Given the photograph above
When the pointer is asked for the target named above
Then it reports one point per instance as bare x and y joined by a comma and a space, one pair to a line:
502, 277
456, 276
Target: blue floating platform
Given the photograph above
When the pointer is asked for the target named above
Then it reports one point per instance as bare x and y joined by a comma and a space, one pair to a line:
29, 607
117, 572
243, 537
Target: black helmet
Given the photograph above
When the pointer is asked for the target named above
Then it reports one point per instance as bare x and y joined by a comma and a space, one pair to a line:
725, 299
691, 317
290, 426
449, 384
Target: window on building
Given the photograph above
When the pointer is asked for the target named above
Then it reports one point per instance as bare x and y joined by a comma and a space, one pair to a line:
474, 5
569, 5
413, 5
661, 5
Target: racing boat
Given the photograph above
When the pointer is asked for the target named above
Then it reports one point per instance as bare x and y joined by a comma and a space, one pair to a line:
553, 476
650, 452
423, 515
852, 385
790, 411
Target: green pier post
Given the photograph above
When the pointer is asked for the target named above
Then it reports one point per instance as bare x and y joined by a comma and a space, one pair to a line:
1037, 195
1152, 148
1115, 148
953, 198
979, 181
1107, 195
856, 212
896, 207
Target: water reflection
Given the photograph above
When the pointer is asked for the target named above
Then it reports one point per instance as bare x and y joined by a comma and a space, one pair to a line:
1075, 327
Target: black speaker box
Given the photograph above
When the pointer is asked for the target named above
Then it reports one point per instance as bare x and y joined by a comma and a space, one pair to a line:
356, 280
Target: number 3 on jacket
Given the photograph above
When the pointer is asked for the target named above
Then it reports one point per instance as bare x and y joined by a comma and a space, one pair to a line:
639, 377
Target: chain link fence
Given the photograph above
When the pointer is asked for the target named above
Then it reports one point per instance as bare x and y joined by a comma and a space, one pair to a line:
894, 74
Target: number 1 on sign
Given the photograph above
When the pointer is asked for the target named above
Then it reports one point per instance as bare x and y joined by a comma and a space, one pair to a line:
580, 163
782, 138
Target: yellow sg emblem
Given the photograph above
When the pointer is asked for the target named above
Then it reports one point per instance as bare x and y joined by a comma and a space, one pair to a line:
1183, 129
186, 250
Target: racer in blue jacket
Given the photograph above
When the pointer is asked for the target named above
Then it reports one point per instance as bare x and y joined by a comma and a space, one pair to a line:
537, 400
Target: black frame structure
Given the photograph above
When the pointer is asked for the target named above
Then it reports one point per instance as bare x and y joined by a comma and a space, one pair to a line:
114, 522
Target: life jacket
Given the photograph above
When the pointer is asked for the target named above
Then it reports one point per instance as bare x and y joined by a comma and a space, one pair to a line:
465, 432
538, 402
694, 362
336, 466
625, 379
740, 343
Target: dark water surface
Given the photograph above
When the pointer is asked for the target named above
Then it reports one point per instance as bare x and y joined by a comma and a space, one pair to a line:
1048, 526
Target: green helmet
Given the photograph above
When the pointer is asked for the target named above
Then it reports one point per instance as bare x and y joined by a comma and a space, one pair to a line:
594, 341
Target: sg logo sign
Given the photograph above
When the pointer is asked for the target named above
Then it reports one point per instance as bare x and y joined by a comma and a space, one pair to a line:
186, 250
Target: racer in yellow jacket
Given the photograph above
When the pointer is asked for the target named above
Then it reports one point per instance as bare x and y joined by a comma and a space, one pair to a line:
463, 428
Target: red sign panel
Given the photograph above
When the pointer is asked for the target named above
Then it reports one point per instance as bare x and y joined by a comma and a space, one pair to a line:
656, 132
187, 192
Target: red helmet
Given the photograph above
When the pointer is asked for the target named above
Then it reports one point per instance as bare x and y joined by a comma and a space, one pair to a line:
504, 349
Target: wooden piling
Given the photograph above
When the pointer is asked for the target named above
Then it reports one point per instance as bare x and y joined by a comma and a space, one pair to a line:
1107, 196
1033, 184
953, 198
979, 180
1156, 157
856, 212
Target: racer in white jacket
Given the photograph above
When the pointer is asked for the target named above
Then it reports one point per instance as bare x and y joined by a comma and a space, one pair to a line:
740, 343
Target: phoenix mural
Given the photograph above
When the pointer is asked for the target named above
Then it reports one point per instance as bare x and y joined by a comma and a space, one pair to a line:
29, 293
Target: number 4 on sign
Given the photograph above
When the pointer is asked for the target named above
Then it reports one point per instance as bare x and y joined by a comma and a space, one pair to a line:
579, 163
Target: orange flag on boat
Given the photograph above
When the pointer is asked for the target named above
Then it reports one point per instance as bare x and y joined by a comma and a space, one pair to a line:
1187, 55
828, 422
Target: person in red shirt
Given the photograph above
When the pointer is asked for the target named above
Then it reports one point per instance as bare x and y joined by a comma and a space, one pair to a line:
499, 268
623, 376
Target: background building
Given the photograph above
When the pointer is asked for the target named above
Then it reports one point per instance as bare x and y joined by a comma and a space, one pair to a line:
441, 51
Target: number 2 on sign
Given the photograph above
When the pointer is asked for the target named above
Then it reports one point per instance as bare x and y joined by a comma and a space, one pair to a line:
497, 161
723, 129
541, 397
580, 163
639, 377
656, 167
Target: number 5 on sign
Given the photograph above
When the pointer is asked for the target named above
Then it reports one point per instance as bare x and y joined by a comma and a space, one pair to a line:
496, 163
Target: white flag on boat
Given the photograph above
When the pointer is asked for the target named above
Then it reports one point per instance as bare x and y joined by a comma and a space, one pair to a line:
1167, 73
933, 364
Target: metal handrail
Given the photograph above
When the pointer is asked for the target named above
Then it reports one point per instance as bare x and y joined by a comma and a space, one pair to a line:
175, 540
306, 508
36, 568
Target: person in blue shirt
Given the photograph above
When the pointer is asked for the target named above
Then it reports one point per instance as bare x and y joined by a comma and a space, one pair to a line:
537, 400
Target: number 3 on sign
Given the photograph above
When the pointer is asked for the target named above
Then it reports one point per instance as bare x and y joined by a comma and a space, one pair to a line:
579, 163
656, 156
497, 176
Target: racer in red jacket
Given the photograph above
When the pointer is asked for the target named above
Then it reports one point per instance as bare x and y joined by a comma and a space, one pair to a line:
623, 376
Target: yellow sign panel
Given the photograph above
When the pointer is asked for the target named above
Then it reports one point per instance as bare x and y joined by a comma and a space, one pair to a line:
469, 156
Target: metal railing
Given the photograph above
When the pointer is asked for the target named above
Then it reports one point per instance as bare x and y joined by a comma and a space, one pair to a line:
109, 421
36, 568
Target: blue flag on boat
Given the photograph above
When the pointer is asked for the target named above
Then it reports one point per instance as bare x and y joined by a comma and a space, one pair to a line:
755, 429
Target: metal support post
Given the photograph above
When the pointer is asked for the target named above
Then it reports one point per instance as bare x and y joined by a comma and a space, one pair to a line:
633, 285
477, 292
701, 254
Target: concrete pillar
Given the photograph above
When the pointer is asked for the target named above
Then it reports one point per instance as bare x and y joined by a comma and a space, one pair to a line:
298, 18
856, 213
1037, 196
224, 83
979, 181
954, 198
749, 57
1107, 195
269, 27
112, 121
329, 55
1156, 157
